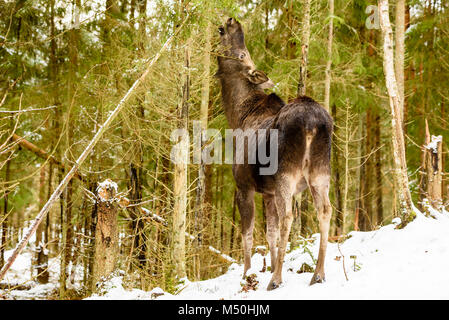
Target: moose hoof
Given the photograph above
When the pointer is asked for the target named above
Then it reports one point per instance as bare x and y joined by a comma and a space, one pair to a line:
317, 279
272, 285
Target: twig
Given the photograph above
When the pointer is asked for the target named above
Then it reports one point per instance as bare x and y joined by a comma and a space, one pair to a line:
27, 110
343, 260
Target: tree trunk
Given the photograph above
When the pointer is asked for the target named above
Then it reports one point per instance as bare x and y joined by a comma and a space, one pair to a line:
305, 38
359, 210
67, 234
180, 180
290, 51
106, 233
366, 215
330, 38
135, 195
200, 192
41, 253
142, 23
400, 52
405, 199
346, 156
337, 185
4, 222
378, 166
433, 169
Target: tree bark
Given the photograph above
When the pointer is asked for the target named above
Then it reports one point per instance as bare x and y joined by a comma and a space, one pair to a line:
359, 209
305, 38
4, 222
400, 52
378, 166
200, 192
405, 199
67, 234
366, 215
180, 179
106, 233
337, 183
330, 39
433, 169
41, 253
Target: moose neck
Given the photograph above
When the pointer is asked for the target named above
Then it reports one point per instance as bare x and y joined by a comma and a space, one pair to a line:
234, 90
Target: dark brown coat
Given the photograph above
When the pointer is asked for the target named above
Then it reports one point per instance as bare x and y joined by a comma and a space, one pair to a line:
304, 141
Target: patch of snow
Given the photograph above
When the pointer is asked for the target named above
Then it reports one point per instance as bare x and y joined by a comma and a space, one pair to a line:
114, 290
387, 263
433, 145
108, 184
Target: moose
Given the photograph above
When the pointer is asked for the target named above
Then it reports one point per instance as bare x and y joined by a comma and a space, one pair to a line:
304, 147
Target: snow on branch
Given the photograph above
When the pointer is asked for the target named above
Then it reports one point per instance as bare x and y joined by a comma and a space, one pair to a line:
433, 145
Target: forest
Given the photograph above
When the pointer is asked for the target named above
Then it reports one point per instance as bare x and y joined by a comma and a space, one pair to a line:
91, 92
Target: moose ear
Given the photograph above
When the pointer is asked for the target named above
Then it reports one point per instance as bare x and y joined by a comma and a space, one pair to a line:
260, 78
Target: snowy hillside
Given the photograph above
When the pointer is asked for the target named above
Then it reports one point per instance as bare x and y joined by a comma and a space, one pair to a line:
411, 263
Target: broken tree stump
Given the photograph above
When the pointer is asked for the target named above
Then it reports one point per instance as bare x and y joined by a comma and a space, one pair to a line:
433, 169
434, 164
106, 232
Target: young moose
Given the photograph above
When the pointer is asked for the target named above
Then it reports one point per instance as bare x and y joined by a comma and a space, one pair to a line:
304, 148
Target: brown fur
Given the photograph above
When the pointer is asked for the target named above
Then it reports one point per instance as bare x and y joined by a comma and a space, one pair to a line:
305, 130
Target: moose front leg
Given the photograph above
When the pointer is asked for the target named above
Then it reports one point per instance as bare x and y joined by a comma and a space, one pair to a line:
245, 203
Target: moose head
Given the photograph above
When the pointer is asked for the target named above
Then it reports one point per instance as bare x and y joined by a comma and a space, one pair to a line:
235, 60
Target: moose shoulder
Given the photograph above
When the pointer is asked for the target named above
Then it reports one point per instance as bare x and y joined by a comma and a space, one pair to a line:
304, 131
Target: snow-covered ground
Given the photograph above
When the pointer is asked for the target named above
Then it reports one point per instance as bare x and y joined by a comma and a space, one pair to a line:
21, 273
388, 263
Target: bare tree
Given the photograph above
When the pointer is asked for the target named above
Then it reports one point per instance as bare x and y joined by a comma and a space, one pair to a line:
327, 81
400, 51
180, 178
200, 193
399, 157
305, 39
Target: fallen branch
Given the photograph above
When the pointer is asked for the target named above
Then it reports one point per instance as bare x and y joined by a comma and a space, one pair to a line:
81, 159
27, 110
9, 286
41, 153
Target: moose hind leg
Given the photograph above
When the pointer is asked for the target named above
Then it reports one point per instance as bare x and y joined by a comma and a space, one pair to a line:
319, 188
245, 203
284, 210
272, 232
